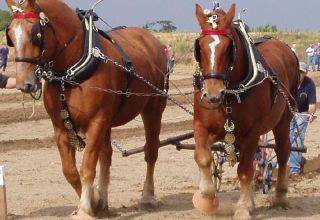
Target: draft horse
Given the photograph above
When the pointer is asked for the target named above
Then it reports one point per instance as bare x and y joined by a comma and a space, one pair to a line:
50, 41
236, 101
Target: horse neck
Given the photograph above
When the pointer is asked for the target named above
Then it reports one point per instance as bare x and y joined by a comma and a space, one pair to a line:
66, 26
240, 68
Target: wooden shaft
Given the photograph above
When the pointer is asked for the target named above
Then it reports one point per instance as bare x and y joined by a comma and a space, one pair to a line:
3, 199
174, 140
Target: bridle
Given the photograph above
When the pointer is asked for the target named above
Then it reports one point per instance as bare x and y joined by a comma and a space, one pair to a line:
224, 32
200, 77
37, 34
37, 38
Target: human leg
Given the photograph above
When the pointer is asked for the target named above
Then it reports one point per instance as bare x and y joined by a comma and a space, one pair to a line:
309, 61
298, 127
318, 62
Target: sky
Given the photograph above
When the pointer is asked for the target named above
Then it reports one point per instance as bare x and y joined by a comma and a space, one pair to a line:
287, 15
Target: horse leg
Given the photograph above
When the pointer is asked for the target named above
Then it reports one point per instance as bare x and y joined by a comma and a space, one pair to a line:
95, 140
282, 140
67, 155
245, 175
152, 126
203, 158
101, 191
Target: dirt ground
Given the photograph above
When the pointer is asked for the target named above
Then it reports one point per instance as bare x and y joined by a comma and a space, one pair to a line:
37, 189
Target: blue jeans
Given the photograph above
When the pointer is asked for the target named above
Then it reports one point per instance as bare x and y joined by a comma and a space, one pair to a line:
317, 62
311, 61
298, 128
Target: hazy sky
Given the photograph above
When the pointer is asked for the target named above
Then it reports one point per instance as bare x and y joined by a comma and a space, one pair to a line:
290, 15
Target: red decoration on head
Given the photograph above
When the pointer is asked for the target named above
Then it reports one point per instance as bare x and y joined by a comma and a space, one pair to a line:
25, 15
216, 32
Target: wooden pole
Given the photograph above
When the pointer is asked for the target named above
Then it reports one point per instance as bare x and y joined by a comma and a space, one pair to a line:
3, 199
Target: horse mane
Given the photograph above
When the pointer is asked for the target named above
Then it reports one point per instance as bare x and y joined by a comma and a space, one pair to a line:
59, 9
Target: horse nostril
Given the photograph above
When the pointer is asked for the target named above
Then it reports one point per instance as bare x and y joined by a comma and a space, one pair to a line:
28, 87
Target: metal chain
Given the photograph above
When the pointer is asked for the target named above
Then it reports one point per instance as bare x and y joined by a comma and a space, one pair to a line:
283, 93
160, 92
113, 143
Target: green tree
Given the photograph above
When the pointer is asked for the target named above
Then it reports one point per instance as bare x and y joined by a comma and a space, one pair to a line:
266, 28
5, 19
165, 26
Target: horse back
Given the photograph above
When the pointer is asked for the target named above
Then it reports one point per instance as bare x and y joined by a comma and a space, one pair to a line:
142, 47
283, 60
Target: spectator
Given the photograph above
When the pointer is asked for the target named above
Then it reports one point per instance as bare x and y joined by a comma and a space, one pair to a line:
166, 53
317, 56
4, 51
171, 57
310, 57
293, 48
306, 108
7, 82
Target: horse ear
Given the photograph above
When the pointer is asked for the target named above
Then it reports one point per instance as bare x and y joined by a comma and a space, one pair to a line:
230, 14
200, 15
31, 3
10, 3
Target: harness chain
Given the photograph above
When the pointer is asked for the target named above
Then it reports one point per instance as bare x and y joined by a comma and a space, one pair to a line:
284, 94
106, 59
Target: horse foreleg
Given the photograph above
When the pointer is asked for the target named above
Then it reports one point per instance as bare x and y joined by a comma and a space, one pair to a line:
245, 175
95, 140
67, 155
101, 192
203, 158
282, 140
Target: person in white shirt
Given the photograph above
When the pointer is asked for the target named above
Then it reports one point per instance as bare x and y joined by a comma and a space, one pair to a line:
293, 48
311, 57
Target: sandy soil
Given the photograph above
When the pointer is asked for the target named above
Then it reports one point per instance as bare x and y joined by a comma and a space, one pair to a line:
37, 189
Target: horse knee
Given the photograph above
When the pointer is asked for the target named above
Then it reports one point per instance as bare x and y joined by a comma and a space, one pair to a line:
72, 176
151, 152
203, 158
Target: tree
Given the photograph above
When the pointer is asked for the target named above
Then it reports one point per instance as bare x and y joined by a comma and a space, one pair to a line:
5, 19
165, 26
266, 28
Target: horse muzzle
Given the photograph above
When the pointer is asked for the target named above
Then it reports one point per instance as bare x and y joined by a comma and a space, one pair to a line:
29, 87
212, 99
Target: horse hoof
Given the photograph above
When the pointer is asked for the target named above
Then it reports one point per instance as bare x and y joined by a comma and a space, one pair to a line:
149, 205
81, 215
242, 215
282, 203
95, 198
205, 205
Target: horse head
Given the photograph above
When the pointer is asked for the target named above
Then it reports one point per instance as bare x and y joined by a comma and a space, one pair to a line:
36, 41
213, 51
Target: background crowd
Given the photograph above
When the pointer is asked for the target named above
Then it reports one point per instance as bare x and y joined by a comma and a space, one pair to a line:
313, 57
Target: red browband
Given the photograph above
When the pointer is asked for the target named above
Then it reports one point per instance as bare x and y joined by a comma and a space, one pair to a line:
216, 32
25, 15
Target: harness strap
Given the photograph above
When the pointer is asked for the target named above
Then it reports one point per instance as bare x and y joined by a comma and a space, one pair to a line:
28, 60
220, 76
126, 59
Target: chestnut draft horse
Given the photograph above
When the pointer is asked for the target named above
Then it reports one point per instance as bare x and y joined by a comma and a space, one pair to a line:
231, 104
49, 39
